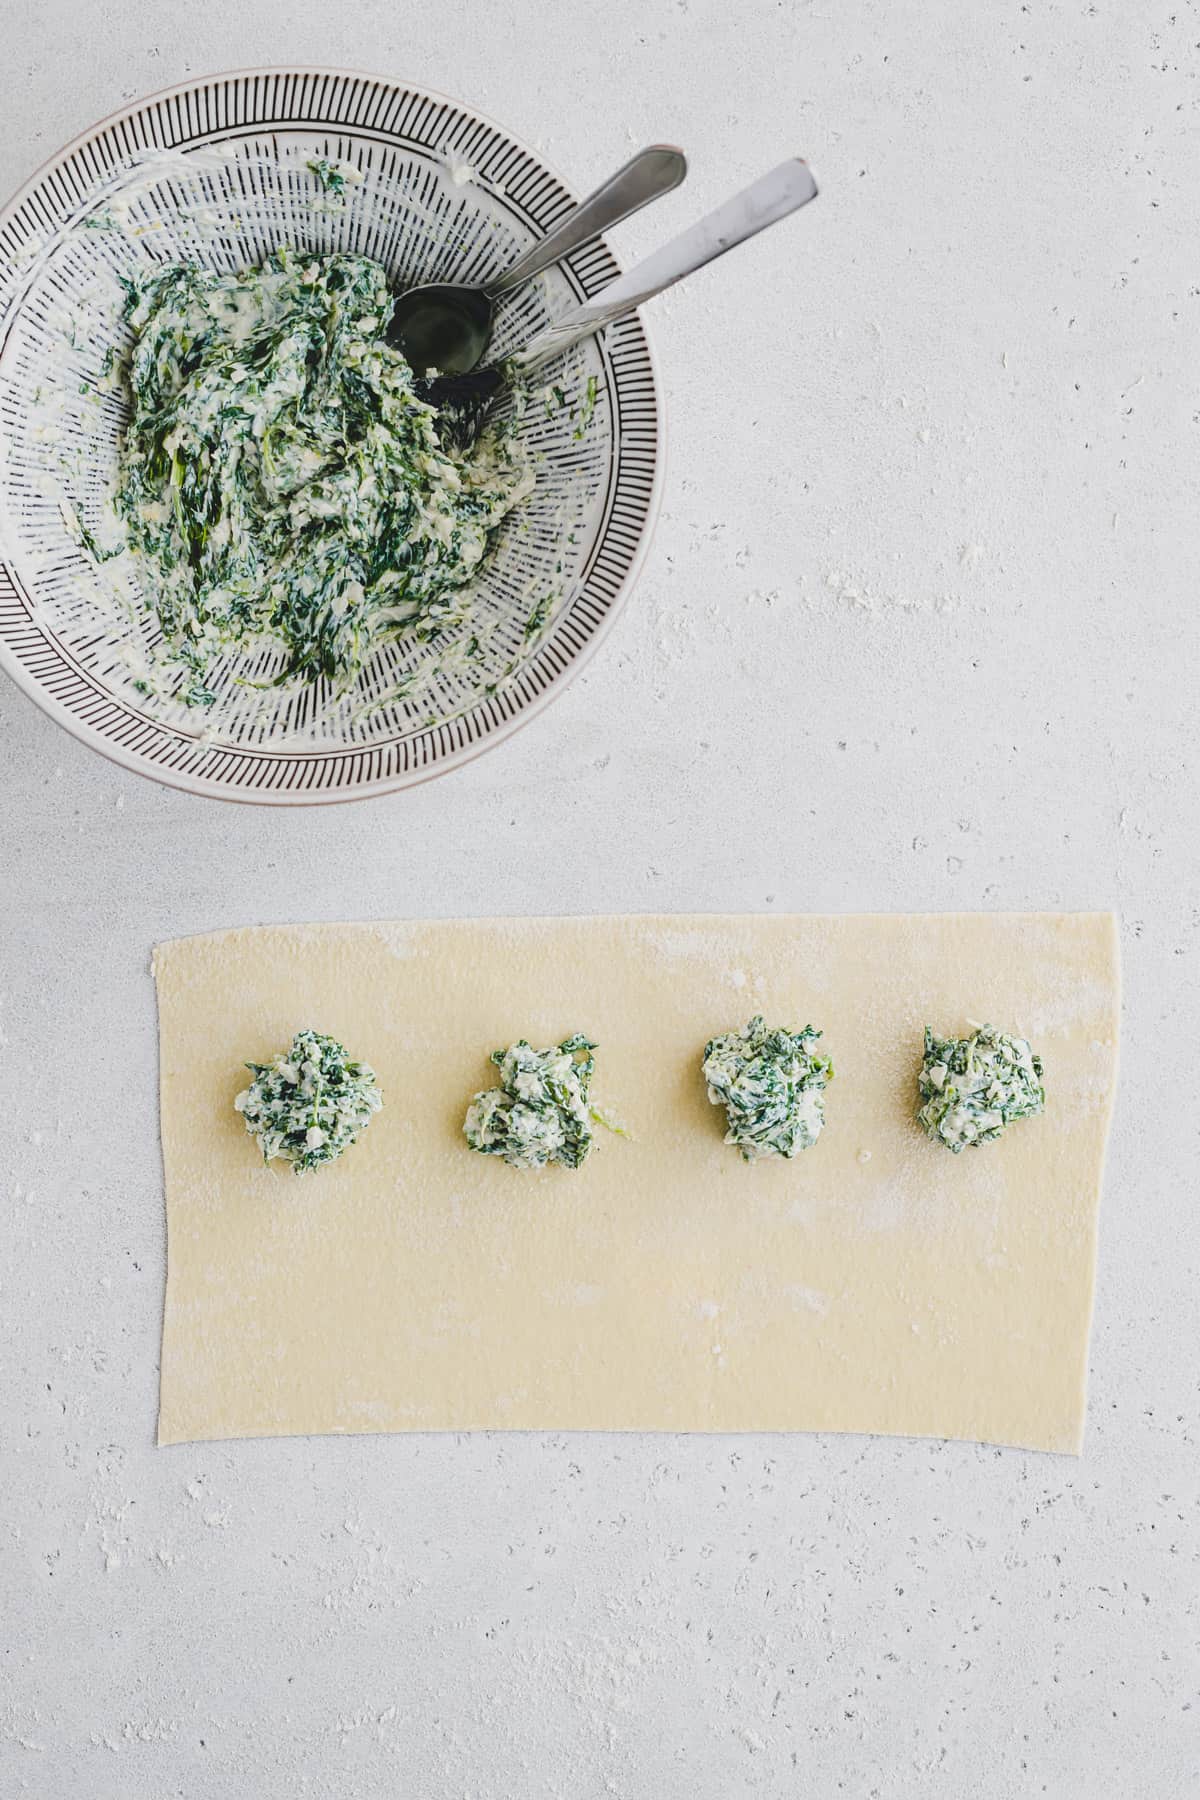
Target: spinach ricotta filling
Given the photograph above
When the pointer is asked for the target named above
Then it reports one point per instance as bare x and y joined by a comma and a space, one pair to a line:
309, 1103
334, 178
280, 479
973, 1088
771, 1085
540, 1111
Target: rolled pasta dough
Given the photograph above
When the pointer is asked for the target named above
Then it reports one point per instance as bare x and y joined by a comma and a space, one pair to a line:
873, 1284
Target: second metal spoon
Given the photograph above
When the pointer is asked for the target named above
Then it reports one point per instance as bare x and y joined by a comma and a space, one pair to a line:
446, 327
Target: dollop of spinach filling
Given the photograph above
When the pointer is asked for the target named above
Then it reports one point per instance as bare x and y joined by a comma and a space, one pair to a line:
973, 1088
282, 481
540, 1111
309, 1103
771, 1085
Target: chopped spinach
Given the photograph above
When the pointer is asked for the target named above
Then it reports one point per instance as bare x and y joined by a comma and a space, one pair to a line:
309, 1103
771, 1086
540, 1112
334, 177
281, 478
582, 414
973, 1088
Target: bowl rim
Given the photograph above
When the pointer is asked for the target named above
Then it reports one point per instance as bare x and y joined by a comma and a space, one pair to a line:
390, 784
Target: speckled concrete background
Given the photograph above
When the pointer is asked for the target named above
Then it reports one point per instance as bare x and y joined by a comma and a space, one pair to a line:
919, 630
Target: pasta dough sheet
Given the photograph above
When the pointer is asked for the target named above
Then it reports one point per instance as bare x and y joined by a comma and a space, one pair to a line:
874, 1284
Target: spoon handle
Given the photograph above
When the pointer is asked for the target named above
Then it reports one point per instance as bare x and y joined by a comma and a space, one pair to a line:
645, 177
771, 198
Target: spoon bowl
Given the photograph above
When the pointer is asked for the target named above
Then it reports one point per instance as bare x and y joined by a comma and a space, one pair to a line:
443, 327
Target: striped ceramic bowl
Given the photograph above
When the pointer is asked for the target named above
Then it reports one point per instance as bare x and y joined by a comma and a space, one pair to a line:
216, 171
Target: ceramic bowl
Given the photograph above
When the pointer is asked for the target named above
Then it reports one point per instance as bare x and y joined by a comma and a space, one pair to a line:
216, 171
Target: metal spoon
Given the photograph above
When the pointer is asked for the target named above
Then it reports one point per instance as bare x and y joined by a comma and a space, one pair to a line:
442, 326
462, 400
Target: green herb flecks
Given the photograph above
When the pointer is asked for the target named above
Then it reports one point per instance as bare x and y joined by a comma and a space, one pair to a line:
97, 551
539, 613
582, 414
973, 1088
335, 177
309, 1103
540, 1112
771, 1086
282, 480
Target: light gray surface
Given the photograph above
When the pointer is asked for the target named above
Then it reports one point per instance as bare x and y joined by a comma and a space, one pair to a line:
919, 629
